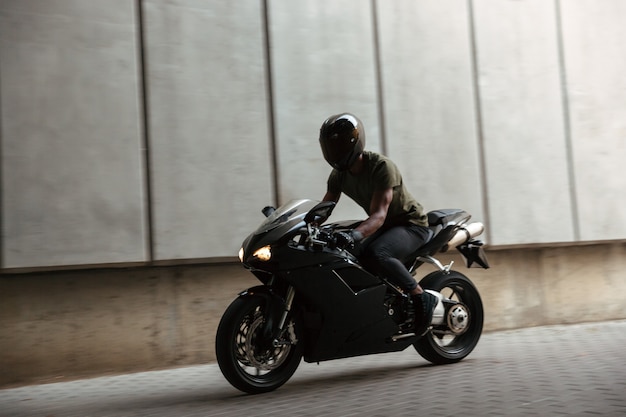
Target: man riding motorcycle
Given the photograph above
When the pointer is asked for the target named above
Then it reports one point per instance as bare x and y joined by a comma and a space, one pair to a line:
396, 224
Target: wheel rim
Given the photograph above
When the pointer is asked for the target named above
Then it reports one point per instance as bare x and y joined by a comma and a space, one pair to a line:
254, 357
461, 329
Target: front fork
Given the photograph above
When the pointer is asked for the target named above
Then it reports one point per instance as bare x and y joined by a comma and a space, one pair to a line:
276, 333
281, 340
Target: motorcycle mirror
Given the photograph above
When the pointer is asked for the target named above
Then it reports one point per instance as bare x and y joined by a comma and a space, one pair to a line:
268, 210
320, 211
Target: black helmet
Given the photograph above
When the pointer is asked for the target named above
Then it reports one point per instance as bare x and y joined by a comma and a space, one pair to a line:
342, 138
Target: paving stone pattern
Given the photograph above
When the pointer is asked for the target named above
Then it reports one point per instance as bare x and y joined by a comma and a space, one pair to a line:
570, 370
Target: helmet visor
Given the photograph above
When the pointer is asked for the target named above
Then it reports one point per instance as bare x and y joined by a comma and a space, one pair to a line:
340, 154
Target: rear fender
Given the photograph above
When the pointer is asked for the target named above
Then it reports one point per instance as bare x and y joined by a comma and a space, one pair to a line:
474, 254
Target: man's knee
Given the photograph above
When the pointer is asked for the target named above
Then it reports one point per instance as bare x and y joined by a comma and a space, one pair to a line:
373, 260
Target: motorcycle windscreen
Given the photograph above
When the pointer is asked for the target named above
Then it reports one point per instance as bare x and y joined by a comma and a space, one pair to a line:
292, 211
474, 254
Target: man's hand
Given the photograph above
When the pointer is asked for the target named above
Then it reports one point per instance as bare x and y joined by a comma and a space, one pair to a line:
346, 240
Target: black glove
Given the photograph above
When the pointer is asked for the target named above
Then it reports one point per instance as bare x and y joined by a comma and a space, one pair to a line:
345, 240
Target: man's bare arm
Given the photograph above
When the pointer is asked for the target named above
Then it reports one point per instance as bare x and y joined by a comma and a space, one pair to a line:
379, 206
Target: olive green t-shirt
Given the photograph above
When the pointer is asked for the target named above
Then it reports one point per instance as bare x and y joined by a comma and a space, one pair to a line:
378, 174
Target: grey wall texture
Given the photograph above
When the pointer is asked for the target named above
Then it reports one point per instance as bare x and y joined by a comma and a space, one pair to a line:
148, 131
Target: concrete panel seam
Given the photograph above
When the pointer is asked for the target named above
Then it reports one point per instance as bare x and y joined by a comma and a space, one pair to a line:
274, 168
567, 122
144, 125
478, 117
379, 78
1, 178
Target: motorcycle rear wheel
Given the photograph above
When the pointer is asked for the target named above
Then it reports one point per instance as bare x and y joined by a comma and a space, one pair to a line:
250, 363
441, 347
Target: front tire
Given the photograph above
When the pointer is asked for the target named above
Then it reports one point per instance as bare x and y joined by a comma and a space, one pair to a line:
247, 359
441, 345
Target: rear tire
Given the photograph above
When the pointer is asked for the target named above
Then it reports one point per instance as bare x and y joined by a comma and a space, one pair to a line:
249, 362
441, 347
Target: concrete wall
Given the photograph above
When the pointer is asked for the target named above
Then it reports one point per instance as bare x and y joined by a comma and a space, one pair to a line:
321, 65
526, 159
154, 131
73, 172
211, 163
593, 55
430, 102
80, 323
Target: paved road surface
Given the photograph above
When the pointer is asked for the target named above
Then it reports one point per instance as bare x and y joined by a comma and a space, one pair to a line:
545, 371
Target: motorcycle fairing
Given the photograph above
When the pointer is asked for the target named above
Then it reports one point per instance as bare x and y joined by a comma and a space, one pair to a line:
349, 302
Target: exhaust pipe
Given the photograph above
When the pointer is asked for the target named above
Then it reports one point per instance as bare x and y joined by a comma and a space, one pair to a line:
465, 234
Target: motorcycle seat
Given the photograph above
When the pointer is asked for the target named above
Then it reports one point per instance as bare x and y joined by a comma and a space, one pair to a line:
445, 217
443, 223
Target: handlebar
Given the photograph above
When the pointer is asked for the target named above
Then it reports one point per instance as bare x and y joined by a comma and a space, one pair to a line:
318, 236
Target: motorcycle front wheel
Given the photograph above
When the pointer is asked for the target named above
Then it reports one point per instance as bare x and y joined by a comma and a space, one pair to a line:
464, 319
247, 359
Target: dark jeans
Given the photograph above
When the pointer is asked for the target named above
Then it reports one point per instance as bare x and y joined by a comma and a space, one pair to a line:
386, 251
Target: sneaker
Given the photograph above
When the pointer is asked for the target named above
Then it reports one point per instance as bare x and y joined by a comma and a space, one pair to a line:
425, 304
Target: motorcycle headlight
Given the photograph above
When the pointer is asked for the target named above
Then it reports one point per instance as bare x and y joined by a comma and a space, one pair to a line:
263, 254
241, 255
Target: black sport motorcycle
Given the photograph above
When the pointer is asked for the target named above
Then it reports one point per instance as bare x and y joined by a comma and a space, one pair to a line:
319, 303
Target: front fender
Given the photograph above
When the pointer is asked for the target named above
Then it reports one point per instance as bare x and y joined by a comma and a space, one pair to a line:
274, 305
263, 291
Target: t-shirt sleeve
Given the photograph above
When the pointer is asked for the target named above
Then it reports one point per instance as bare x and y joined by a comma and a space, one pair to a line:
334, 182
386, 175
